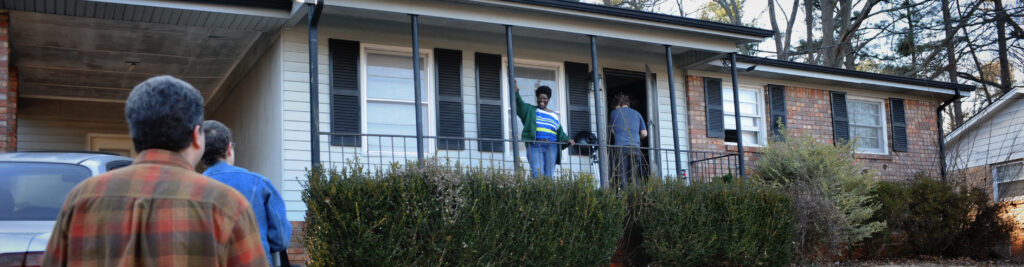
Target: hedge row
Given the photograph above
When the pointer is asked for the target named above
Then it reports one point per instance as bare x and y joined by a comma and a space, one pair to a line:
714, 224
444, 215
439, 215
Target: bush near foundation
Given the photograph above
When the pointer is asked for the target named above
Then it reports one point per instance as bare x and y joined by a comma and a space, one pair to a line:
928, 217
831, 194
713, 224
438, 215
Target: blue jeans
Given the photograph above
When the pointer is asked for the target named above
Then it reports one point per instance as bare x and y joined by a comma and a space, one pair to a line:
542, 158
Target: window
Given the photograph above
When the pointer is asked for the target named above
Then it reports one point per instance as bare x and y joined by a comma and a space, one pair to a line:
751, 115
390, 101
1008, 182
867, 124
528, 79
36, 191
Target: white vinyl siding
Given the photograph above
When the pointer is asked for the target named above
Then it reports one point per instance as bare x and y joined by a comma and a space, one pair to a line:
998, 138
867, 124
50, 124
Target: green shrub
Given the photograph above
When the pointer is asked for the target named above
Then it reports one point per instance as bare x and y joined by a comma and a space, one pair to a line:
831, 193
713, 224
442, 215
927, 217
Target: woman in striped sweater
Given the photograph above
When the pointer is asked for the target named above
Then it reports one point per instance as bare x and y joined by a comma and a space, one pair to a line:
541, 131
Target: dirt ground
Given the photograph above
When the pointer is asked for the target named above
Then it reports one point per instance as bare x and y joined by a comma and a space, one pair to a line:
929, 262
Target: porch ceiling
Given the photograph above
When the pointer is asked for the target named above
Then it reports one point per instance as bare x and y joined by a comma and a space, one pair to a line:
84, 58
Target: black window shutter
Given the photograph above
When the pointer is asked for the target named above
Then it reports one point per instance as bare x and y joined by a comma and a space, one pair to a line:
715, 115
345, 108
578, 81
450, 127
840, 121
899, 125
489, 122
777, 105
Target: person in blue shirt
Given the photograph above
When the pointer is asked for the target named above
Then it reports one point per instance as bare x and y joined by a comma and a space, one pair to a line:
627, 129
266, 202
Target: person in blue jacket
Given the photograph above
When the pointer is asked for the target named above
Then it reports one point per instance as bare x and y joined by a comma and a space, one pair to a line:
266, 202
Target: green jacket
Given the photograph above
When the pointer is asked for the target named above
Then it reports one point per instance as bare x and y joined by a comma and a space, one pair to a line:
528, 115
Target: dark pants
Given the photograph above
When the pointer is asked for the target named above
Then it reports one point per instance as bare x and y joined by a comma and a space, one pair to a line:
626, 168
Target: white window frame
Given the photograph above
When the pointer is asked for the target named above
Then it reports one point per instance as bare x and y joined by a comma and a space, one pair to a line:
762, 135
428, 60
883, 120
995, 179
505, 105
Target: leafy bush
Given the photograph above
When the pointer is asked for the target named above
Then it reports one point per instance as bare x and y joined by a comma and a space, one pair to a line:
927, 217
831, 193
442, 215
713, 224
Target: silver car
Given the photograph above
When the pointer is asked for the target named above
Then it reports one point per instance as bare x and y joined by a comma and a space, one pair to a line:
33, 186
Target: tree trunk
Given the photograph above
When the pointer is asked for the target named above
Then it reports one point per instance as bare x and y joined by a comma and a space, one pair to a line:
910, 32
809, 24
828, 33
1004, 62
844, 50
947, 24
789, 31
780, 52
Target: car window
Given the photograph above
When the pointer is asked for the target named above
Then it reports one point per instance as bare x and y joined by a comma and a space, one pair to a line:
36, 191
113, 165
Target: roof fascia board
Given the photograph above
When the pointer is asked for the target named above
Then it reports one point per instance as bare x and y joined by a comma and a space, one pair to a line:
998, 105
228, 9
852, 73
841, 78
298, 13
538, 20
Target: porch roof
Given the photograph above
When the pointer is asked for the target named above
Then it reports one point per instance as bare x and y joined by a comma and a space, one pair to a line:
830, 76
550, 18
98, 50
648, 16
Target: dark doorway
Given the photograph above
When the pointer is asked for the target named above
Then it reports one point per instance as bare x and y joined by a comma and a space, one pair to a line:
633, 84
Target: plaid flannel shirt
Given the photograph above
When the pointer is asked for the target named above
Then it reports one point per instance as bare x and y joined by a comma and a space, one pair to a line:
156, 212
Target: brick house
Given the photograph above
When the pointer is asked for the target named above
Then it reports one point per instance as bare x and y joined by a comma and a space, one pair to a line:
251, 60
893, 118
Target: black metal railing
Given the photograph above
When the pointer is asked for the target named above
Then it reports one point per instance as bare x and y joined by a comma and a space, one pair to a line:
380, 151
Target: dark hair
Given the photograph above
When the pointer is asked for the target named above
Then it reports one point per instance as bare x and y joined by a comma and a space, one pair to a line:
543, 89
218, 137
622, 99
162, 112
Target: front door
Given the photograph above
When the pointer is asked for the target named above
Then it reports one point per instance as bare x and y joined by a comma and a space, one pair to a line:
634, 85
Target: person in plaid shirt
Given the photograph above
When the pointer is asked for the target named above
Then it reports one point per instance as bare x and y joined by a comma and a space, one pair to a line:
158, 211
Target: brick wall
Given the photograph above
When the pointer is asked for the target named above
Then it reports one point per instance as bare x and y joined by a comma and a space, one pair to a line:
296, 250
981, 177
8, 91
809, 112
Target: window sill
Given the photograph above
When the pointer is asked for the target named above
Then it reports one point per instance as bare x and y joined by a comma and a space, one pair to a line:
865, 155
748, 148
